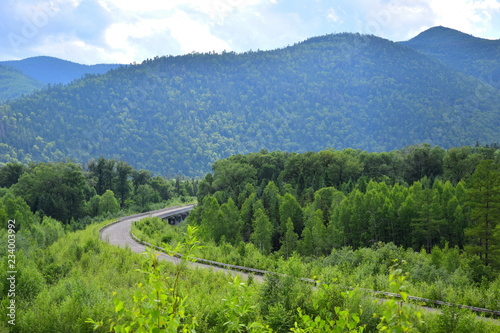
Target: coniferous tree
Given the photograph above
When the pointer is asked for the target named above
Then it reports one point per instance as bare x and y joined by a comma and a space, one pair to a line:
484, 201
123, 171
246, 214
427, 224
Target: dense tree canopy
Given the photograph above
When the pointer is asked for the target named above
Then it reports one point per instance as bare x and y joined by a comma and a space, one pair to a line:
69, 192
468, 54
315, 202
57, 190
178, 115
13, 84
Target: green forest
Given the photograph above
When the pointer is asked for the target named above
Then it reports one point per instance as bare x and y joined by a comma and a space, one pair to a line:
465, 53
177, 115
14, 84
357, 180
415, 198
422, 221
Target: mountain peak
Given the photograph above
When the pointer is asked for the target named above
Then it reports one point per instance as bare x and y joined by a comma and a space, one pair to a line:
440, 35
465, 53
443, 35
54, 70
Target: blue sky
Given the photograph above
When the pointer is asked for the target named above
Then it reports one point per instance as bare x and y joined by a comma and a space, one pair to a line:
126, 31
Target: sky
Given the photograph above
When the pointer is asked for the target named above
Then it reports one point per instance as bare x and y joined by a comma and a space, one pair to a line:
127, 31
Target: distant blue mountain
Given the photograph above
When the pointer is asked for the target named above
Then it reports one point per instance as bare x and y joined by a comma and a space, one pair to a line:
53, 70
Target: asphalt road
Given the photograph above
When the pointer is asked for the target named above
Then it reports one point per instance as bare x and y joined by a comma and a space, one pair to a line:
118, 234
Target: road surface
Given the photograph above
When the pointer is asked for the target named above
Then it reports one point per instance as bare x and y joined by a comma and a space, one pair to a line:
118, 234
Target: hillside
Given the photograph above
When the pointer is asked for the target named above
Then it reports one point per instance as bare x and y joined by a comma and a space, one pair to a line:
473, 56
53, 70
13, 83
177, 115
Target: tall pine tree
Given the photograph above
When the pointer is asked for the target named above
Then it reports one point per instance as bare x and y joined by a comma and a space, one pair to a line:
484, 201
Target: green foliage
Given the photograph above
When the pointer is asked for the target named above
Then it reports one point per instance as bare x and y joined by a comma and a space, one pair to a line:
290, 209
178, 115
454, 320
459, 163
14, 84
396, 317
456, 49
238, 313
262, 231
346, 322
289, 242
157, 231
424, 213
210, 219
66, 192
280, 296
108, 203
484, 201
158, 306
123, 171
72, 280
56, 190
48, 232
15, 208
230, 222
10, 173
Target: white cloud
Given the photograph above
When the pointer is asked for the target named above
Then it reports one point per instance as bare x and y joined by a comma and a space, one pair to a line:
466, 15
92, 31
189, 34
142, 6
194, 35
118, 35
333, 16
74, 49
190, 25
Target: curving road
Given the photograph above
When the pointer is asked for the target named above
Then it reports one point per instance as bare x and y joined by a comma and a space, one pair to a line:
118, 234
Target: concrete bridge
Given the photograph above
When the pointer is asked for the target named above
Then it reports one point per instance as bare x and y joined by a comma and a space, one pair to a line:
177, 216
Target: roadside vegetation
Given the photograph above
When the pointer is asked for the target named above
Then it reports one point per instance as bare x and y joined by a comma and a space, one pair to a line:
364, 227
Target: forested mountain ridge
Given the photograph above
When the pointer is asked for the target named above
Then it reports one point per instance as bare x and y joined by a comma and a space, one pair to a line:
53, 70
13, 83
471, 55
177, 115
